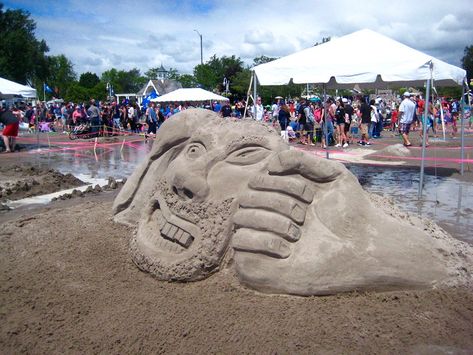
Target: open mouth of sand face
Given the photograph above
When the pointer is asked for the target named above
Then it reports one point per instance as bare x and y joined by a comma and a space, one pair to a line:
168, 232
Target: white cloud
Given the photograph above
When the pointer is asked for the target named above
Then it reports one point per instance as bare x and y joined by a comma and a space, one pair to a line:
99, 35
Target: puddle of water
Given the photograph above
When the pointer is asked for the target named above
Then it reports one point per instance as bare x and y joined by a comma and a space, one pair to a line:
447, 201
108, 161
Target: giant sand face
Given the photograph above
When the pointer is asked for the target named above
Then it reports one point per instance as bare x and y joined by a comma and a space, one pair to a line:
213, 191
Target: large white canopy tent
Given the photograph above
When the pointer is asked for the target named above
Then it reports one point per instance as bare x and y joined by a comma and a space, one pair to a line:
10, 88
366, 59
189, 95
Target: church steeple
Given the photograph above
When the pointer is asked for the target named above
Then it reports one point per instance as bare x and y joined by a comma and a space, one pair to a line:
162, 73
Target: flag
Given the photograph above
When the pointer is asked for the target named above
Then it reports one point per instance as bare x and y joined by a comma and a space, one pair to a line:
47, 88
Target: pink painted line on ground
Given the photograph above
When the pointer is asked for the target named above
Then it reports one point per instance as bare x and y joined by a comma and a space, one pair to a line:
393, 157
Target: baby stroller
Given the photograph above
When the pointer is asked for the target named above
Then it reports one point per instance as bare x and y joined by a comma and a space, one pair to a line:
84, 131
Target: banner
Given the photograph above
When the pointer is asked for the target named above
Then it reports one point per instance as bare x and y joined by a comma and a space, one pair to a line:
47, 88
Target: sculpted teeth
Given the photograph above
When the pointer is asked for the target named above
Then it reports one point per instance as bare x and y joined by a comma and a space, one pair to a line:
176, 234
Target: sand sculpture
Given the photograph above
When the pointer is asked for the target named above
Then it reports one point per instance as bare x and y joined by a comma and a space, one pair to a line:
215, 193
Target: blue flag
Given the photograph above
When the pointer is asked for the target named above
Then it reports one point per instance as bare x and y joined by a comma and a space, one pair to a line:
47, 88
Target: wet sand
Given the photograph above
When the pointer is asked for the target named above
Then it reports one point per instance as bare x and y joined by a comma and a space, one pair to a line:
68, 285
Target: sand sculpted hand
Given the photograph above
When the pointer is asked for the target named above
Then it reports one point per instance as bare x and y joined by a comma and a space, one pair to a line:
273, 211
307, 227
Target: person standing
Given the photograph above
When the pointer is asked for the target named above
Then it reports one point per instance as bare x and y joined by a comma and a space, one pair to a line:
284, 117
152, 119
365, 113
11, 121
93, 113
348, 119
275, 110
407, 109
226, 110
257, 110
340, 117
328, 118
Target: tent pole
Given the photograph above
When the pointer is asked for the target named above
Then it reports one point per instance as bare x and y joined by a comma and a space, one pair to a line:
254, 96
248, 94
424, 132
462, 115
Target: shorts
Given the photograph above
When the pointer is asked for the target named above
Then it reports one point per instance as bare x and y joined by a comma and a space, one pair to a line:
405, 128
364, 128
11, 130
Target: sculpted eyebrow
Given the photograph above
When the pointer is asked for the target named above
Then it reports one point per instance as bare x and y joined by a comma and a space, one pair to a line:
246, 141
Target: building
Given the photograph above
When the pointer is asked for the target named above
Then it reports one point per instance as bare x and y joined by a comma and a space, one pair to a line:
161, 85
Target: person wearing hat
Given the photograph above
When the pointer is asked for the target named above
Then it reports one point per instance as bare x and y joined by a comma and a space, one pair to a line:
406, 115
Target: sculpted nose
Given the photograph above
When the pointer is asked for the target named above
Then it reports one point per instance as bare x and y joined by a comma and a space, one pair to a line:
190, 185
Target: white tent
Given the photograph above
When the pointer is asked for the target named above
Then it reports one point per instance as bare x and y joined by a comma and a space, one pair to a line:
189, 94
10, 88
366, 58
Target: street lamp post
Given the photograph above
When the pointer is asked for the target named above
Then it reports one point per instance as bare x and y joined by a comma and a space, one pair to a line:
201, 53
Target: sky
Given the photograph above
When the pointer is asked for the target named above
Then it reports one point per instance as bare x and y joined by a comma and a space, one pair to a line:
103, 34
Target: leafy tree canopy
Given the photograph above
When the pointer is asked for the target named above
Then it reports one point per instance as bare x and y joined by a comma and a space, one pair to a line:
22, 56
467, 62
89, 80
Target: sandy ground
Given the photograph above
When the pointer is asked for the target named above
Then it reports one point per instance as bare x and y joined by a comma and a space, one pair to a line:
68, 285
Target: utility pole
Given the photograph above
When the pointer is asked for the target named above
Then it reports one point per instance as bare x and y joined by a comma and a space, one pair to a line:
201, 52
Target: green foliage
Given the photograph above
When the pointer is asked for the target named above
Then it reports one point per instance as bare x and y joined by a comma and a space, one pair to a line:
324, 40
187, 81
124, 81
22, 56
77, 93
261, 60
205, 76
467, 62
211, 74
61, 74
240, 83
89, 80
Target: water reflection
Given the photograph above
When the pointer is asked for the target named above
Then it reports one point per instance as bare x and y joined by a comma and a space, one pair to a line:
446, 200
107, 160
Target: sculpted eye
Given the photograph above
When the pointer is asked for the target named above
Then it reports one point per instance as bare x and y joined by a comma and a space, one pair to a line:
195, 150
247, 155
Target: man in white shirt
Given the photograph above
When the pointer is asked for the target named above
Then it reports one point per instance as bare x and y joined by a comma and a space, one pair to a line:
258, 115
406, 113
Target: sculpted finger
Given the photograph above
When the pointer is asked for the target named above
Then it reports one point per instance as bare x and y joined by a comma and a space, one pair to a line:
261, 242
278, 203
311, 167
287, 185
267, 221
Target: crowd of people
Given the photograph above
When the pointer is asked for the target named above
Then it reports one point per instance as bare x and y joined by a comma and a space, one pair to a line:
342, 120
337, 121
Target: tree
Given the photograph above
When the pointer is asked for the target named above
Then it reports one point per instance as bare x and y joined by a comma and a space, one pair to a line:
467, 62
261, 60
77, 93
187, 81
22, 56
205, 76
89, 80
324, 40
61, 74
211, 74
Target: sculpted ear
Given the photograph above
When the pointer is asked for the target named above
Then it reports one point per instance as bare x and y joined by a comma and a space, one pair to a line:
174, 131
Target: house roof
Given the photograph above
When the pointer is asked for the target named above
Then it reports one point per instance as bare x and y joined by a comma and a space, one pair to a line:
160, 86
